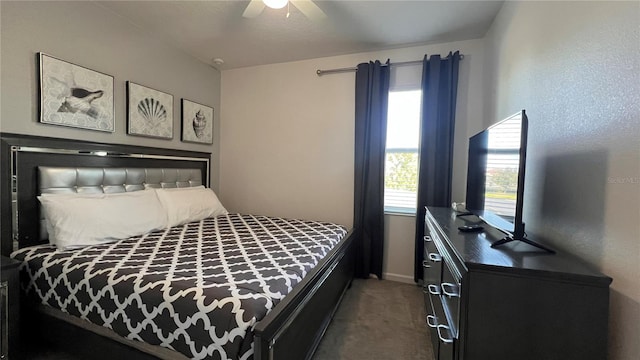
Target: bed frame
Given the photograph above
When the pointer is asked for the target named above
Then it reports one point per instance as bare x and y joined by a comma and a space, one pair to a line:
292, 330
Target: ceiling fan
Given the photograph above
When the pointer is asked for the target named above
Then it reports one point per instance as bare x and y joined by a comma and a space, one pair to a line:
307, 7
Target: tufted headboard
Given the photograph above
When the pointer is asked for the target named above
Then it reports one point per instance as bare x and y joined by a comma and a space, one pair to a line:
34, 165
95, 180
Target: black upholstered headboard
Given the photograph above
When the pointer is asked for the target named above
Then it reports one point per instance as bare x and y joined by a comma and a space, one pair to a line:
80, 167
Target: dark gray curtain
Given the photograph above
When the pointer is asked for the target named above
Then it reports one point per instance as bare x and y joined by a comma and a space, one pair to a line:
439, 89
372, 94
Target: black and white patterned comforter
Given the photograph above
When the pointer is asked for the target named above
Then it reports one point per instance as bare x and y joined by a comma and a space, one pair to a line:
198, 289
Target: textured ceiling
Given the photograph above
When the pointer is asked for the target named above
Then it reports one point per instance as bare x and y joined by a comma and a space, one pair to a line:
216, 29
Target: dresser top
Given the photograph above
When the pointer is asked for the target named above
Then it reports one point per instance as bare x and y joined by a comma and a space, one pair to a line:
474, 250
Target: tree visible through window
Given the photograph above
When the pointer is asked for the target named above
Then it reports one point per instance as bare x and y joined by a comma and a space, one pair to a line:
401, 163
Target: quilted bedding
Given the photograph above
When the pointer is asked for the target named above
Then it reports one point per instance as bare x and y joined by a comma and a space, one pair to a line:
198, 288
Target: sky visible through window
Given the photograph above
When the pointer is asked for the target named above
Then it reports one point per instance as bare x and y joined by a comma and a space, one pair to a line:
403, 119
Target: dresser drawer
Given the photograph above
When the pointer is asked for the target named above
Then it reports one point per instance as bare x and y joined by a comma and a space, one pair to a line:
432, 322
432, 264
441, 331
450, 295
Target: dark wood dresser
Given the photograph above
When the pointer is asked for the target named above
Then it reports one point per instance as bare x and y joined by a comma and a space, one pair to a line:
510, 302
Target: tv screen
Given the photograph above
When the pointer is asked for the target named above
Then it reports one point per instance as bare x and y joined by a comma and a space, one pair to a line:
495, 174
495, 177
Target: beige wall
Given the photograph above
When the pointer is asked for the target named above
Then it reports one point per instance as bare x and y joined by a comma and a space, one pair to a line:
287, 140
574, 66
399, 237
86, 34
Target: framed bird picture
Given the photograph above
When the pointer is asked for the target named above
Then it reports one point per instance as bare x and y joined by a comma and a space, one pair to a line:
72, 95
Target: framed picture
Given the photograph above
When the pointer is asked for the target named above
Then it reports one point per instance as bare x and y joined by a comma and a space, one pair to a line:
197, 122
149, 112
72, 95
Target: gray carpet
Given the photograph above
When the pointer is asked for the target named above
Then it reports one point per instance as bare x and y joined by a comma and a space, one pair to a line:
378, 320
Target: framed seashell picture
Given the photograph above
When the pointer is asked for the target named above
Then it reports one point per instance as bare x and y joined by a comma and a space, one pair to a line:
72, 95
149, 112
197, 122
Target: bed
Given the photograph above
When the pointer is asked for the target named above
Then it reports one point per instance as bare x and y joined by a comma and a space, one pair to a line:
275, 303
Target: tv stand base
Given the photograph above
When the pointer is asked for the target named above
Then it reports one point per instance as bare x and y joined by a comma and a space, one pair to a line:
467, 213
508, 239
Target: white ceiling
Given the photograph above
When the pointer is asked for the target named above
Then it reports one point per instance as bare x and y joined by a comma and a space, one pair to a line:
216, 29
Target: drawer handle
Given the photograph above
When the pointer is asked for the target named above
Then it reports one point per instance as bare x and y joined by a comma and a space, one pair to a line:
432, 322
435, 257
446, 340
450, 290
425, 264
427, 238
433, 289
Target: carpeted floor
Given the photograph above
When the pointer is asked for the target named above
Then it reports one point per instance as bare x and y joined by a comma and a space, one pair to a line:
377, 320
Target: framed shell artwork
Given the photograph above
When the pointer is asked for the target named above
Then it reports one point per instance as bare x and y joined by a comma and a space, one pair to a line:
72, 95
149, 112
197, 122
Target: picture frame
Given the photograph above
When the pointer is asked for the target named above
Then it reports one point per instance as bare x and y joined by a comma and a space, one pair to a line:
197, 122
149, 112
75, 96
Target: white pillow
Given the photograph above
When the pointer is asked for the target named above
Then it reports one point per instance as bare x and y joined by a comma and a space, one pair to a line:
59, 197
79, 220
184, 205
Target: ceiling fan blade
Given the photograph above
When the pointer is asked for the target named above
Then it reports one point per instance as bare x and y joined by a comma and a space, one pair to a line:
254, 9
309, 9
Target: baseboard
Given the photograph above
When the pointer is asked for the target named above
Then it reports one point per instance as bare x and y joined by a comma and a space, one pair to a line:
398, 278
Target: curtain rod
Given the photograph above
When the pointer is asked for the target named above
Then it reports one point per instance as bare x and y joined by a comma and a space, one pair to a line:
353, 69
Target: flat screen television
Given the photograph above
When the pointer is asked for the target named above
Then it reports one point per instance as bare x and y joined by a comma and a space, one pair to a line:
495, 177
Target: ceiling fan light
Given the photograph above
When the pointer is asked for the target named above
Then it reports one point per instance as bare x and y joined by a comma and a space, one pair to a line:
275, 4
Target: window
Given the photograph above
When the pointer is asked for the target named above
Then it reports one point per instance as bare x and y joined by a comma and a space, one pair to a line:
401, 160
